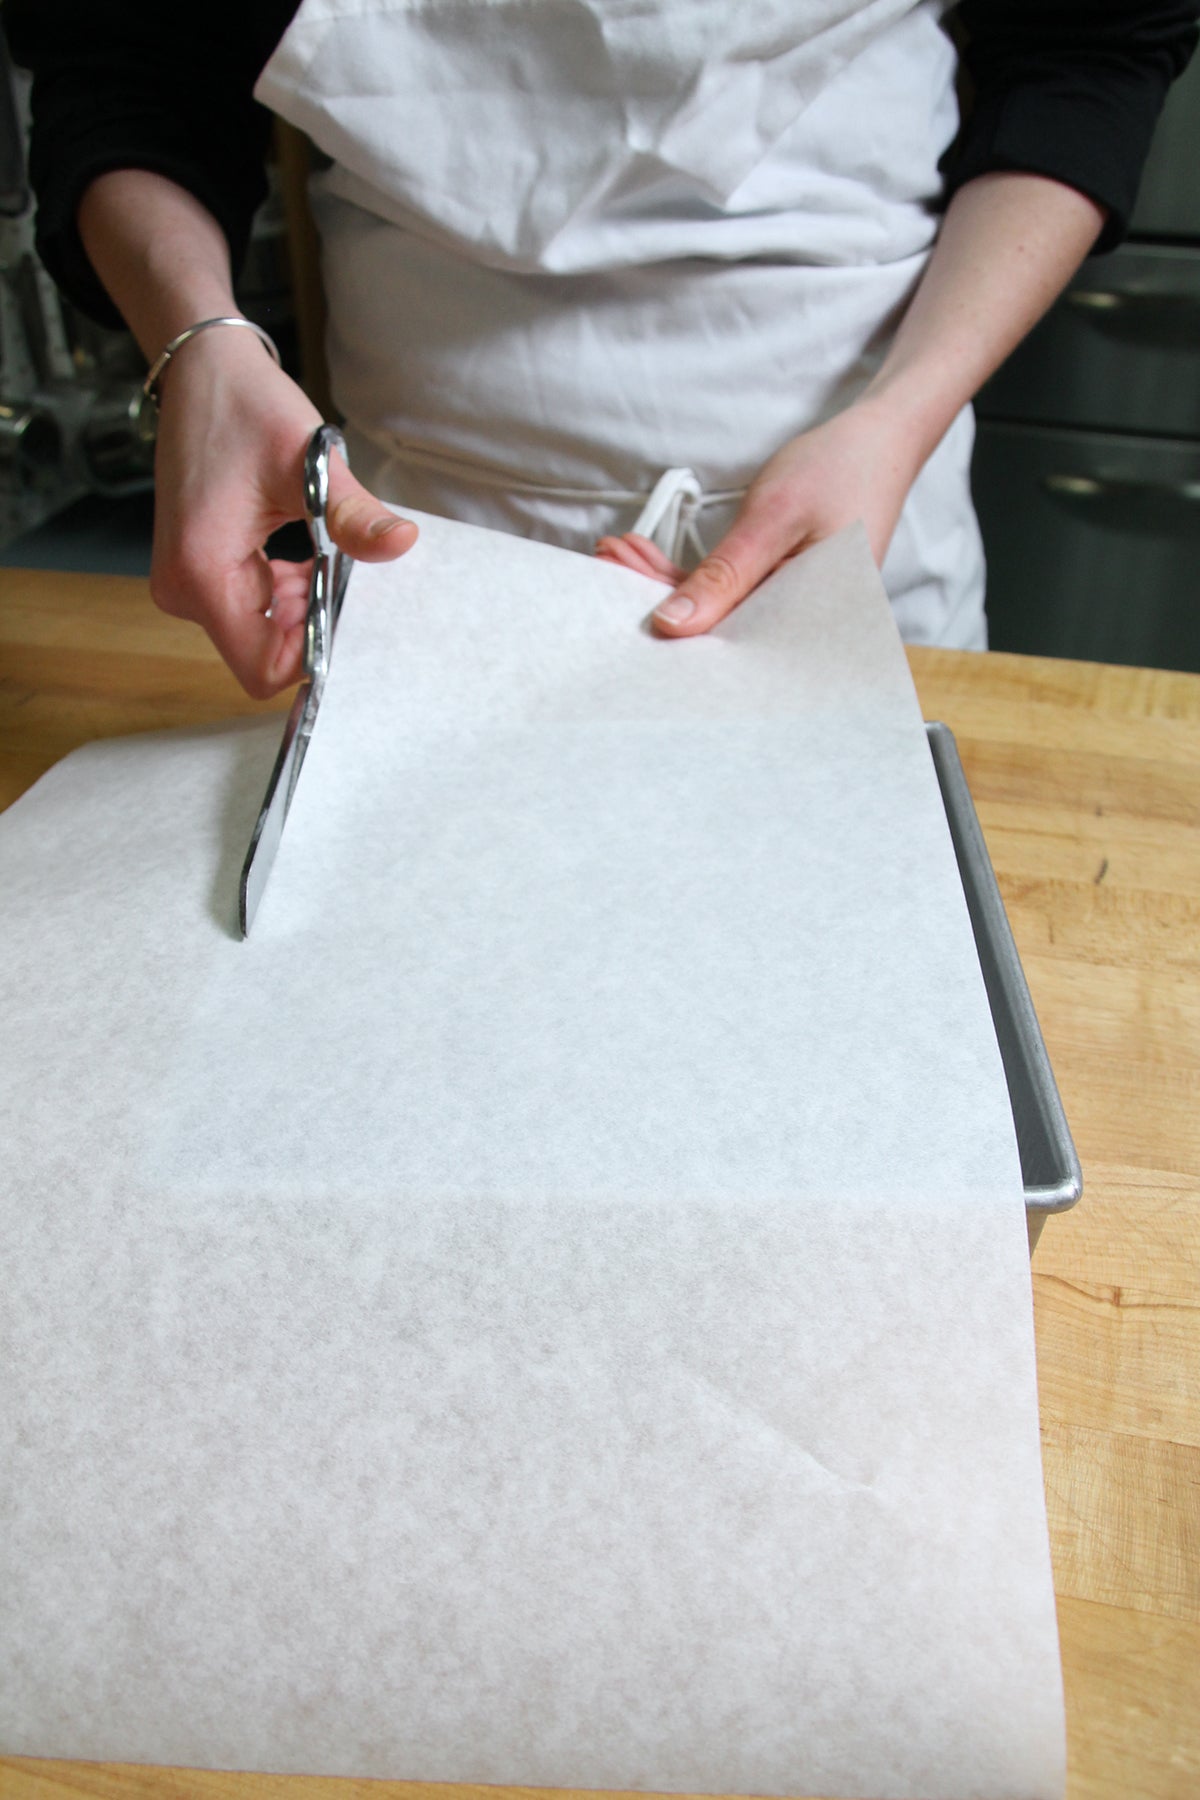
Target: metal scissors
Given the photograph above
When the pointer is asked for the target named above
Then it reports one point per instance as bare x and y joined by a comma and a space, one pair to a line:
330, 573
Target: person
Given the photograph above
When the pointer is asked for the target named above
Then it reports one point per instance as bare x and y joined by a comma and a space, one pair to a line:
567, 247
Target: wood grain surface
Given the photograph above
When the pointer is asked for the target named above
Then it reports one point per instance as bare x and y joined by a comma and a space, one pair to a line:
1087, 782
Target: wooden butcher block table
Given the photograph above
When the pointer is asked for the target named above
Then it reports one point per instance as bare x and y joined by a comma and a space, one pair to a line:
1087, 782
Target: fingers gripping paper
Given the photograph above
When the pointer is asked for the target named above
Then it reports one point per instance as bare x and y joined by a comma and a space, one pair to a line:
553, 1306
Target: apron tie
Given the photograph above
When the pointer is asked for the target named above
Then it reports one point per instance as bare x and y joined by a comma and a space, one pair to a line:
669, 514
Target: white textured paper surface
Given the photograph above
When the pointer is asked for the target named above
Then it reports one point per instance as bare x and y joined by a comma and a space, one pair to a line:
553, 1306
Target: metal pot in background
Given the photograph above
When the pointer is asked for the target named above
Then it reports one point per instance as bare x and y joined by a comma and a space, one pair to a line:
116, 443
31, 447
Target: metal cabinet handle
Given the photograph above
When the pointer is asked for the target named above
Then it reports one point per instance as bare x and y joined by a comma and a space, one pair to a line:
1160, 508
1170, 316
1100, 487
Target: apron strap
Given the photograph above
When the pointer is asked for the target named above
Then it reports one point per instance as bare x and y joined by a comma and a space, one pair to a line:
669, 514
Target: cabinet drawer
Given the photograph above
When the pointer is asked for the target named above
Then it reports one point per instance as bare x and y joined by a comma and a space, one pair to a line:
1119, 352
1093, 544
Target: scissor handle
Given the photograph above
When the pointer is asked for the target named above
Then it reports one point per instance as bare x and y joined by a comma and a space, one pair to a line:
331, 566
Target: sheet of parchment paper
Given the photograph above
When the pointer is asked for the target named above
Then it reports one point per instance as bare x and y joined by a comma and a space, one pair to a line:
552, 1307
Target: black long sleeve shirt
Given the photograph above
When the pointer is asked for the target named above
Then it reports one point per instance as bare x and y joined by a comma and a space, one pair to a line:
1070, 89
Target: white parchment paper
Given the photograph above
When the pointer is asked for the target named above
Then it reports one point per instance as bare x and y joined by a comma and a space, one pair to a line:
553, 1306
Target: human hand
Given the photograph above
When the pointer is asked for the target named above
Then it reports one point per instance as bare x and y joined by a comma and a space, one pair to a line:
856, 465
233, 432
642, 555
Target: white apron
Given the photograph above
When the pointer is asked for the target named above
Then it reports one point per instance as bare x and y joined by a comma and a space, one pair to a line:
568, 244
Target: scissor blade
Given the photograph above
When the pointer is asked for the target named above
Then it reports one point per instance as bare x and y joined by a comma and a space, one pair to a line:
260, 857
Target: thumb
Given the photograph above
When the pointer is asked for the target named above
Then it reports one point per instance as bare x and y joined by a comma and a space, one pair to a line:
746, 554
360, 524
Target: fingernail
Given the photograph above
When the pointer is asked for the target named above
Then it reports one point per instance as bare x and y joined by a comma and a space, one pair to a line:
675, 610
381, 526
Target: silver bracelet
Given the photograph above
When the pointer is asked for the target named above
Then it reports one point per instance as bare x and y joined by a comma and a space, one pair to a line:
153, 382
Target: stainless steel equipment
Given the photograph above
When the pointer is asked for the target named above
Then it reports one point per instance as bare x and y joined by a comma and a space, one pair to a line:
1049, 1164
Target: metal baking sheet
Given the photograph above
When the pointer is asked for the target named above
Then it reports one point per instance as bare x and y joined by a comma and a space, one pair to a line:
1049, 1162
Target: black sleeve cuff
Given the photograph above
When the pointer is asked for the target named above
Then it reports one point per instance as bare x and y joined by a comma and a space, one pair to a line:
119, 84
1071, 138
77, 144
1072, 92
